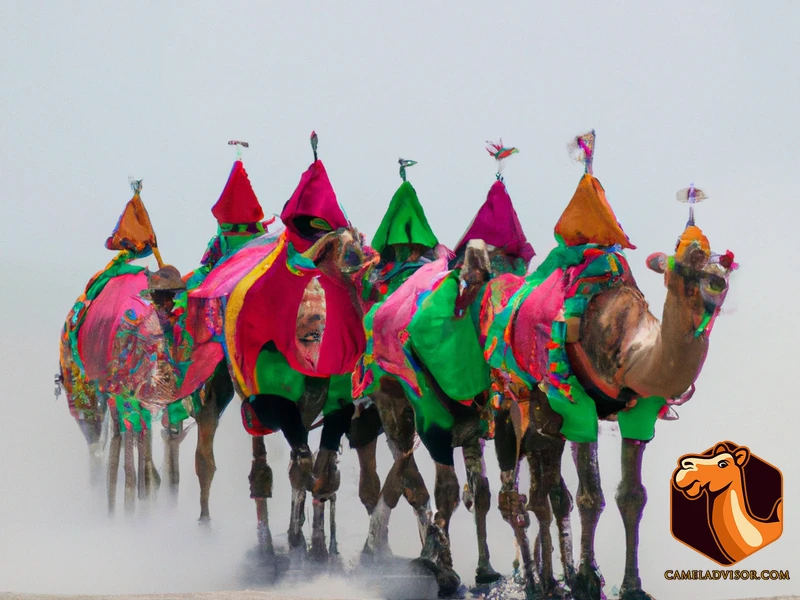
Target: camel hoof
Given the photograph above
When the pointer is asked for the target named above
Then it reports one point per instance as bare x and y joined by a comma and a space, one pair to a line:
449, 583
204, 521
555, 591
297, 544
487, 574
318, 552
636, 594
588, 585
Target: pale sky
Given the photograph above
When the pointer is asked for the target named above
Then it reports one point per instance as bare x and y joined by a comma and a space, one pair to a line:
678, 92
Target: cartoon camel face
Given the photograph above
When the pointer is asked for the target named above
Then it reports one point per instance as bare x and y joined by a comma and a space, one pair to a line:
713, 473
737, 531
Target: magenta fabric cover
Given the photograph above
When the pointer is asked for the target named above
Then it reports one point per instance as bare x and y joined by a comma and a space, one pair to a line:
313, 197
103, 318
270, 313
496, 223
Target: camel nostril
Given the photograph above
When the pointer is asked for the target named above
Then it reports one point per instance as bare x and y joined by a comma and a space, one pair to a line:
687, 464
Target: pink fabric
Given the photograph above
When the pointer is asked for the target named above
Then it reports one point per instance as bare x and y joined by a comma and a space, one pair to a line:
269, 313
392, 318
497, 224
531, 328
225, 276
205, 359
103, 318
314, 197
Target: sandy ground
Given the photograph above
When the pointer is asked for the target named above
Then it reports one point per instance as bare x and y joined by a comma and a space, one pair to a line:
240, 595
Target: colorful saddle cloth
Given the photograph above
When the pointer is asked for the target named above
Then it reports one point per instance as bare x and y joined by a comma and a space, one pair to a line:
524, 333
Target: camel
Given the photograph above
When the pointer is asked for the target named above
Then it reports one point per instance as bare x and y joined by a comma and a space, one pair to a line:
560, 365
114, 353
292, 333
408, 388
720, 478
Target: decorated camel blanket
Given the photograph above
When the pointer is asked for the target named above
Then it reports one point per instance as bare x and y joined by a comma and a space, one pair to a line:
205, 306
524, 333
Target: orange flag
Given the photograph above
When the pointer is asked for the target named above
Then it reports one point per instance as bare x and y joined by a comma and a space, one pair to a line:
134, 230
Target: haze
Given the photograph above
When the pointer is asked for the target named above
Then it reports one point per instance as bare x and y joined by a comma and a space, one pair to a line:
678, 92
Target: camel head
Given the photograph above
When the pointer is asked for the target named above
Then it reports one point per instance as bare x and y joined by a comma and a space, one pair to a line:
343, 254
475, 271
697, 473
695, 272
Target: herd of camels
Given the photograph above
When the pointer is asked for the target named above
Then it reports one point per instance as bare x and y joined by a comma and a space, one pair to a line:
310, 326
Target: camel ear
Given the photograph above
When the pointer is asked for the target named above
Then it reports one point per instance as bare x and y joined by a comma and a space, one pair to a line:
741, 455
657, 262
720, 449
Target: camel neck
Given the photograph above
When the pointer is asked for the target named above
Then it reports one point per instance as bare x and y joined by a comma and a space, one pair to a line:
735, 529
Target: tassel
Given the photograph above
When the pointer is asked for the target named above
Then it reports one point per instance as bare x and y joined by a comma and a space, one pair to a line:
500, 153
691, 195
403, 164
239, 145
314, 141
581, 149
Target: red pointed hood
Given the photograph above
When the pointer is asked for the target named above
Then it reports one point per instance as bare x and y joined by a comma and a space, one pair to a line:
238, 202
313, 205
497, 224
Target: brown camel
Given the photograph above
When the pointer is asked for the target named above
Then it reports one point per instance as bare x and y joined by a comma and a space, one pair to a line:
622, 356
721, 479
342, 256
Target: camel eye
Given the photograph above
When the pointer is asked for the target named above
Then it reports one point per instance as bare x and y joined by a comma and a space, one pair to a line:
722, 464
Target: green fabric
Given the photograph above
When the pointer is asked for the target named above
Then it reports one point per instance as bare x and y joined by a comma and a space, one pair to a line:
340, 393
275, 376
404, 222
449, 346
428, 409
119, 266
131, 414
183, 409
639, 422
580, 414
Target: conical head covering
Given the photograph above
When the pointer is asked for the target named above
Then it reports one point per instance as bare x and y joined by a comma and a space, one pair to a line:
589, 219
134, 230
238, 202
314, 201
404, 222
497, 223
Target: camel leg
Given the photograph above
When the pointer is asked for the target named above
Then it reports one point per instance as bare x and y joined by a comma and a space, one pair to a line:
151, 477
510, 502
333, 549
301, 479
97, 443
588, 581
141, 480
130, 472
631, 499
204, 464
436, 555
172, 435
113, 458
404, 478
561, 502
261, 489
544, 459
369, 484
478, 485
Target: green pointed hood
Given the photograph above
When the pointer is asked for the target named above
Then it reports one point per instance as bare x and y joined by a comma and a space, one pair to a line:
404, 222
